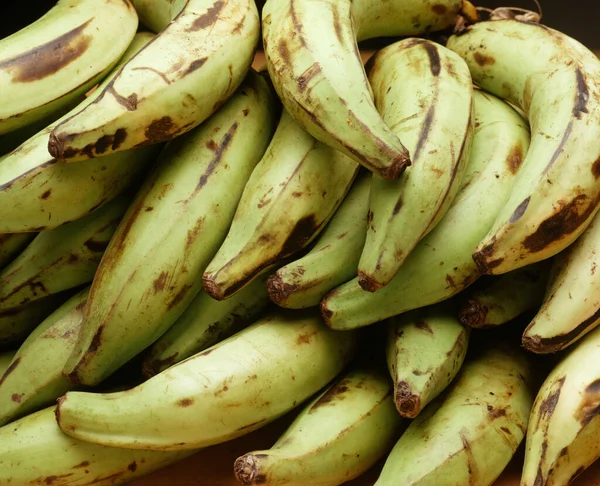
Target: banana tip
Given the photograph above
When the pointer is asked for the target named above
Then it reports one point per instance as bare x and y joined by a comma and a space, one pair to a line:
473, 313
278, 290
407, 403
55, 146
212, 288
368, 283
397, 168
536, 344
245, 470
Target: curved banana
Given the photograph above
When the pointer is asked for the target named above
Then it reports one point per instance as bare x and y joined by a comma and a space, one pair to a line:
556, 82
34, 378
469, 434
441, 265
230, 389
424, 93
157, 14
337, 437
38, 192
56, 59
6, 358
334, 257
151, 269
312, 56
11, 244
190, 69
205, 322
563, 437
425, 350
293, 192
34, 451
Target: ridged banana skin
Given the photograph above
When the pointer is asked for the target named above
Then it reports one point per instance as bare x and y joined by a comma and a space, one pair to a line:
6, 358
441, 265
469, 434
34, 451
312, 56
563, 437
151, 269
571, 304
229, 390
291, 195
172, 85
34, 378
556, 81
57, 58
11, 244
334, 257
38, 192
425, 350
336, 438
424, 93
506, 297
204, 323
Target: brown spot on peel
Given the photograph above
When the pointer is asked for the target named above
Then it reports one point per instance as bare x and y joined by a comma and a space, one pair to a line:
582, 97
483, 60
335, 393
307, 75
209, 18
424, 326
434, 57
439, 9
185, 402
197, 64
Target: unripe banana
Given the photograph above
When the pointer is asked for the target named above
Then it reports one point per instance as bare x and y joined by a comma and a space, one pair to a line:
151, 269
335, 438
6, 358
441, 265
423, 92
157, 14
469, 434
293, 192
57, 58
334, 257
11, 244
425, 350
556, 82
172, 85
228, 390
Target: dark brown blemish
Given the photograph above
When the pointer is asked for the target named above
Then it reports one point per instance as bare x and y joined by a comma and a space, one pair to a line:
424, 135
245, 111
450, 281
483, 60
590, 405
46, 194
303, 231
495, 413
424, 326
583, 95
305, 338
397, 206
128, 102
307, 75
198, 63
193, 233
336, 392
185, 402
209, 18
81, 465
596, 168
506, 430
297, 24
218, 155
132, 467
17, 397
336, 23
434, 57
549, 403
284, 52
407, 403
515, 158
159, 130
520, 211
52, 479
439, 9
160, 282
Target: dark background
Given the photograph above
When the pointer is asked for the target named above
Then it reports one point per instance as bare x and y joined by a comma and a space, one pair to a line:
577, 18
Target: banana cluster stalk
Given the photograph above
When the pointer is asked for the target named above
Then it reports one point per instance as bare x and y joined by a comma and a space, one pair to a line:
229, 390
293, 192
337, 437
424, 94
333, 259
189, 70
556, 82
425, 350
11, 244
470, 433
56, 59
441, 265
151, 269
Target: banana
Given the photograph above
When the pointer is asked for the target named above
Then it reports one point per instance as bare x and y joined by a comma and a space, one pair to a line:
333, 259
57, 58
290, 196
11, 244
571, 306
34, 378
34, 451
38, 192
424, 94
6, 358
337, 437
440, 266
230, 389
205, 322
312, 56
425, 350
172, 85
556, 82
469, 434
151, 269
563, 437
156, 14
504, 298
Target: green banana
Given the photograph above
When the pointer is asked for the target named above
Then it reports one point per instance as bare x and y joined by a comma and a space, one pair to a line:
424, 94
34, 451
440, 266
156, 14
34, 378
6, 358
57, 58
504, 298
11, 244
337, 437
172, 85
425, 350
151, 269
290, 196
334, 257
226, 391
38, 192
469, 434
556, 82
205, 322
